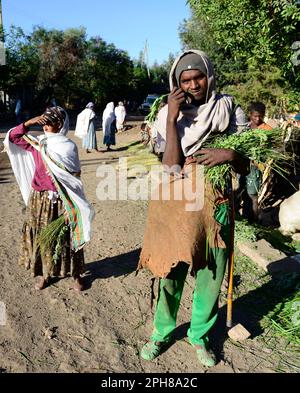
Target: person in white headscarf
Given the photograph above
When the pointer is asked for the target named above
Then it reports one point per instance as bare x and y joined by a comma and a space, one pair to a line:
86, 128
120, 113
179, 234
47, 170
109, 126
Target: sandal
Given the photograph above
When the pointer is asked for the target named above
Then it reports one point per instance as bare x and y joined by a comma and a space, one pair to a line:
152, 349
205, 356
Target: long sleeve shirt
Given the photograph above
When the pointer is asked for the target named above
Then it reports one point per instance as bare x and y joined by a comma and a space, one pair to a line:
41, 180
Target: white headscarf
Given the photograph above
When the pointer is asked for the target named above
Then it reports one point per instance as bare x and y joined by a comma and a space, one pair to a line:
108, 117
83, 120
120, 113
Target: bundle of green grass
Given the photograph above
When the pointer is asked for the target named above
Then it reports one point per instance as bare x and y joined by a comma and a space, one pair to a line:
155, 108
260, 146
52, 237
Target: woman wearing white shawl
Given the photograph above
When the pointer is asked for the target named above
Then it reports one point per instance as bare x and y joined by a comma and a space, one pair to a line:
47, 170
194, 229
85, 128
120, 113
109, 125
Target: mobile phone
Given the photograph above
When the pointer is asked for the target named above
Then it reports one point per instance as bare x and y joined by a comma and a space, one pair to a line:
187, 100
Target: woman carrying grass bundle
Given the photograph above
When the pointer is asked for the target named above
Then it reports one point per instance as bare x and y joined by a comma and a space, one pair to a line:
175, 236
59, 217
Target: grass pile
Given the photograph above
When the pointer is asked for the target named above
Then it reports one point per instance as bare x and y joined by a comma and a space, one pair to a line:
261, 146
284, 319
138, 154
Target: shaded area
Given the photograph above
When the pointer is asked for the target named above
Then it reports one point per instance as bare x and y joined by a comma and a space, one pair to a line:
116, 266
249, 309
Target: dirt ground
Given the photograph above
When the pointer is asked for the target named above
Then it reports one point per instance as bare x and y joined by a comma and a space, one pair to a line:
102, 329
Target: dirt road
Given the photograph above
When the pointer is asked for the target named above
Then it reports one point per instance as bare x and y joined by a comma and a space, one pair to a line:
102, 329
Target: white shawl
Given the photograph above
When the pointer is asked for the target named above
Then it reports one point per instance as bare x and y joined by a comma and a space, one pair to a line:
83, 121
120, 113
107, 118
61, 152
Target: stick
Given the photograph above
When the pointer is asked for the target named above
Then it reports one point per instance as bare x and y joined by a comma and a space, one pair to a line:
230, 265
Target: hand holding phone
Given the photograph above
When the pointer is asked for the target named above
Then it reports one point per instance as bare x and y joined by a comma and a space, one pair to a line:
175, 100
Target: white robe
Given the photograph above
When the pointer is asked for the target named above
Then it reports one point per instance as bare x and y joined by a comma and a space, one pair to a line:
83, 121
120, 113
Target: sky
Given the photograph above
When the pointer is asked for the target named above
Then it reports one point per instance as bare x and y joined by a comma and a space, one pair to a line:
125, 23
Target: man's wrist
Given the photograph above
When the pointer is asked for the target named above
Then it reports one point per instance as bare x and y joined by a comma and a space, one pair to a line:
172, 120
233, 156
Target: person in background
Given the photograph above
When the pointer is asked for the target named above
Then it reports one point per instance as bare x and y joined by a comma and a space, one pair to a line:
250, 185
18, 111
120, 113
257, 112
86, 128
109, 126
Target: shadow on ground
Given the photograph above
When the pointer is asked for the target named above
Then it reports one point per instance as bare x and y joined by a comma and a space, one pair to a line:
116, 266
249, 310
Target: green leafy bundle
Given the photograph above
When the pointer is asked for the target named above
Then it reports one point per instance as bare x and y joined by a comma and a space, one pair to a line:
261, 146
52, 237
154, 109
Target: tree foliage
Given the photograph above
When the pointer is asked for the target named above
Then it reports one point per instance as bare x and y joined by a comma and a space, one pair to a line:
246, 39
74, 69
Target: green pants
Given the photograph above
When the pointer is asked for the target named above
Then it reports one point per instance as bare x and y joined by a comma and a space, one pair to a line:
205, 298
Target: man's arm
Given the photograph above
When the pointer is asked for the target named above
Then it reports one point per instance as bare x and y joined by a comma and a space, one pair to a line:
17, 133
213, 157
173, 154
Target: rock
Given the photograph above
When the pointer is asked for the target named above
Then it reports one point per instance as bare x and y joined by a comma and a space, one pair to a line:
50, 332
289, 214
296, 237
268, 258
261, 252
238, 333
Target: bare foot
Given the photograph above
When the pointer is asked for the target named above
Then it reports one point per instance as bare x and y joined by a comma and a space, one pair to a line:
40, 284
78, 284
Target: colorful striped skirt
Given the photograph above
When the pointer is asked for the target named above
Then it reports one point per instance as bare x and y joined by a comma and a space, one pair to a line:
40, 212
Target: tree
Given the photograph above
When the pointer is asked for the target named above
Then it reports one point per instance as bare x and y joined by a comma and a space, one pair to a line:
22, 62
244, 36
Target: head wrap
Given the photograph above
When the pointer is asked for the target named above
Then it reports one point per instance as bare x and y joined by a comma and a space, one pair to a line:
54, 116
57, 116
190, 61
120, 103
90, 105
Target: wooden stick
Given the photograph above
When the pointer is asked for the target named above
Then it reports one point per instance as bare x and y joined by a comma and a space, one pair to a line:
230, 264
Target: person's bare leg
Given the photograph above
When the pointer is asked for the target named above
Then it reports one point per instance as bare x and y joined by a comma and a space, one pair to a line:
41, 283
78, 284
254, 200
